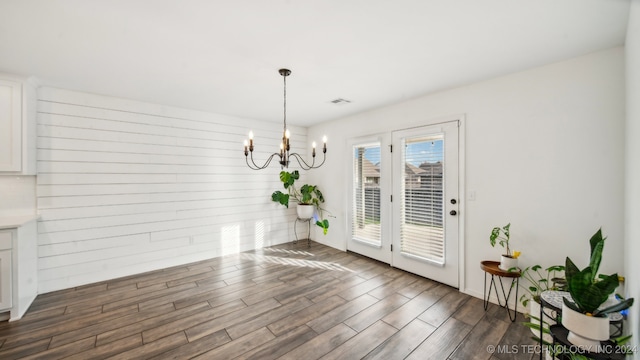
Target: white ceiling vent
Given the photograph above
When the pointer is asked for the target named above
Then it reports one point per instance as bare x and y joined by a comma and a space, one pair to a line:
340, 101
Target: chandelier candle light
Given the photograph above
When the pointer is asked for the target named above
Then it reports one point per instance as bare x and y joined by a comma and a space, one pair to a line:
285, 155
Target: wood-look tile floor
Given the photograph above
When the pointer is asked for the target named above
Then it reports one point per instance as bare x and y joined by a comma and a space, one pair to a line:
283, 302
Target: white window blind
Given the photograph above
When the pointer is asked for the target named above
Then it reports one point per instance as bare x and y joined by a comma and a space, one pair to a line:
422, 204
366, 194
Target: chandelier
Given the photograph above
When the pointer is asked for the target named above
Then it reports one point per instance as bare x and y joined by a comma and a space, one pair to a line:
284, 155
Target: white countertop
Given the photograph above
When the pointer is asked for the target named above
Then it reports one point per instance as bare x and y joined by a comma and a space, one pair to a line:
9, 222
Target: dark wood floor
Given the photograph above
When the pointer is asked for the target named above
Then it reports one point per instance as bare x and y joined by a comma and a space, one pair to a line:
288, 302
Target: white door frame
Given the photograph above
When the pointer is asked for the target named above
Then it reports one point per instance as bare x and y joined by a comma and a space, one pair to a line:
461, 118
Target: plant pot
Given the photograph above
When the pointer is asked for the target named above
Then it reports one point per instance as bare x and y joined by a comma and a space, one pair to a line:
547, 319
507, 262
586, 331
305, 212
534, 310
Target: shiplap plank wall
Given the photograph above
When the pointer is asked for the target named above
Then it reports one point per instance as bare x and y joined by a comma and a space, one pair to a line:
125, 187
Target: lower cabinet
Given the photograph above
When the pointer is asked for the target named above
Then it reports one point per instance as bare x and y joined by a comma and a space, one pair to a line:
5, 279
18, 267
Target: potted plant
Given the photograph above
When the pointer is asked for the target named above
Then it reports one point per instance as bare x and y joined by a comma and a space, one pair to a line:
308, 198
535, 280
499, 235
587, 323
538, 280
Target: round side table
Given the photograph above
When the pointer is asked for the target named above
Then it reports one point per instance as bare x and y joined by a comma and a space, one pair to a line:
492, 268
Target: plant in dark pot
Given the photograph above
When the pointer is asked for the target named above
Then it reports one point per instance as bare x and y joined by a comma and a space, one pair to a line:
307, 196
508, 261
587, 322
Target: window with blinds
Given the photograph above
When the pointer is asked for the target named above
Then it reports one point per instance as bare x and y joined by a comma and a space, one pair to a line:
366, 194
421, 218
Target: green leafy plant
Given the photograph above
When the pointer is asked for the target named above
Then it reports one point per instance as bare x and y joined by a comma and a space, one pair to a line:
540, 280
587, 289
306, 195
501, 236
536, 327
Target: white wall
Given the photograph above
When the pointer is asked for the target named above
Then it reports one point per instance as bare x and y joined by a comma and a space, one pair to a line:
125, 187
18, 195
632, 188
544, 151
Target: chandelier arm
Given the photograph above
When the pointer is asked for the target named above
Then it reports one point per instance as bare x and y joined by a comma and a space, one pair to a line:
304, 165
249, 165
256, 167
266, 164
253, 164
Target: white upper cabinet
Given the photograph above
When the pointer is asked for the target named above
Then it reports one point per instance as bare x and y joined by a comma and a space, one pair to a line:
17, 126
10, 125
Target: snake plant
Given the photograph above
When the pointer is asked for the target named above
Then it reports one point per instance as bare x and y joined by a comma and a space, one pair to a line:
587, 289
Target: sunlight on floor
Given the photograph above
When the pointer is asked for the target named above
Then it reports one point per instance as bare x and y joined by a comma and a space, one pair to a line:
295, 262
284, 251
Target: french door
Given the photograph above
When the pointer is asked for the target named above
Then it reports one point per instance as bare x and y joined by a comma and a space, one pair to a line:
425, 214
405, 200
370, 189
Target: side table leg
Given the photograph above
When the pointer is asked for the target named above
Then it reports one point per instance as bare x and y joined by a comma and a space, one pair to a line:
504, 295
492, 285
515, 310
485, 297
507, 296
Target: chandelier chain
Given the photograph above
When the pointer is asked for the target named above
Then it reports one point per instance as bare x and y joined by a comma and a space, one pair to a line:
285, 103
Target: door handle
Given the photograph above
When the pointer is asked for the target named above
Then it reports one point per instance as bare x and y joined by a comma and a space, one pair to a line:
453, 212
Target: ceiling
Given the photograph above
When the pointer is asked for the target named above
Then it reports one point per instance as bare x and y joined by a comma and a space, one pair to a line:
223, 56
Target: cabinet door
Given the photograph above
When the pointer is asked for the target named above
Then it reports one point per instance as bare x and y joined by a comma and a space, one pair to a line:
5, 279
10, 125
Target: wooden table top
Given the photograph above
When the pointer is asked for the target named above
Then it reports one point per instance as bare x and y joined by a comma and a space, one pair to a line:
492, 268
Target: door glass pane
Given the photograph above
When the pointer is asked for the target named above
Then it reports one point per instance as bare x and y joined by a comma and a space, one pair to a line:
366, 194
421, 225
